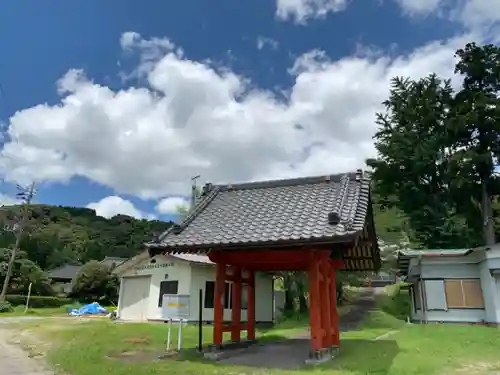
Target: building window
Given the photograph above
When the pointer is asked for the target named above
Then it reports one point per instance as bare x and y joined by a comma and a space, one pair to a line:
167, 287
464, 294
210, 295
417, 296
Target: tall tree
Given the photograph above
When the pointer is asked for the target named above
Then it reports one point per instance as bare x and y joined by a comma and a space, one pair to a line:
475, 131
411, 171
19, 226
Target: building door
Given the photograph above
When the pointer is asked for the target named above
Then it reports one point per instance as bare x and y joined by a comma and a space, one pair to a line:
134, 298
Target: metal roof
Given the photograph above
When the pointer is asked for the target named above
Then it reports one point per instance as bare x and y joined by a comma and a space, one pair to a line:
404, 256
312, 210
193, 258
67, 271
110, 261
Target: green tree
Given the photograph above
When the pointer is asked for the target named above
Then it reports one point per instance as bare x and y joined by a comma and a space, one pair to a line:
95, 282
437, 152
411, 171
24, 272
475, 133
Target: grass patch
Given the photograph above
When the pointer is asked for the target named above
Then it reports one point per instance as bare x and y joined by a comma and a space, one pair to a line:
124, 349
44, 311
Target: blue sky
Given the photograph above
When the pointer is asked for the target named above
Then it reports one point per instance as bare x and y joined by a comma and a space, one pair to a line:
230, 90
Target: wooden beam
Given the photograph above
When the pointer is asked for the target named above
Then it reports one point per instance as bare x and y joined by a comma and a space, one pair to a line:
236, 305
220, 270
314, 302
250, 289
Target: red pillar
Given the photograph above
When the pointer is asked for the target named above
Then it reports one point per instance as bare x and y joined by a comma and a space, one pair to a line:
314, 302
326, 314
236, 305
220, 280
334, 316
251, 305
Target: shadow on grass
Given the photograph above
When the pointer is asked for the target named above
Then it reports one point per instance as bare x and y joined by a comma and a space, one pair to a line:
365, 356
276, 352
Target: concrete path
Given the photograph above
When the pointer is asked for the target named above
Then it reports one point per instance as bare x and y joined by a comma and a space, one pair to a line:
292, 354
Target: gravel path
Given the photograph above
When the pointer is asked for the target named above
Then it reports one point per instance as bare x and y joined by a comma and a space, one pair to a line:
13, 359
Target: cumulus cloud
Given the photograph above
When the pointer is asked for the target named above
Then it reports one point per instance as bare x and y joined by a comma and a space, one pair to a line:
113, 205
193, 120
171, 205
419, 7
7, 200
263, 42
472, 14
300, 11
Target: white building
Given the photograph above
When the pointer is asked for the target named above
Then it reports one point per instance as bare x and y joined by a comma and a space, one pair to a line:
455, 286
145, 280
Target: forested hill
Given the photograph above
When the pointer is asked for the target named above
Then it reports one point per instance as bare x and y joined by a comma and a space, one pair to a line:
59, 235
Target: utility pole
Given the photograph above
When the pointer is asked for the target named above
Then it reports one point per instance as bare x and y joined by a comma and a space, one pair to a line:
25, 195
194, 191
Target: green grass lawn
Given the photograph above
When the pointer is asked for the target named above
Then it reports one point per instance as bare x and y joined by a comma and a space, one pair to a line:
97, 347
45, 311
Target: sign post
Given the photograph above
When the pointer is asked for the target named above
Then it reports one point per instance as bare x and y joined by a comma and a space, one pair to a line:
175, 309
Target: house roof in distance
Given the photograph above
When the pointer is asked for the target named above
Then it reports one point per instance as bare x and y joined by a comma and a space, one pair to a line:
311, 210
67, 271
404, 256
113, 261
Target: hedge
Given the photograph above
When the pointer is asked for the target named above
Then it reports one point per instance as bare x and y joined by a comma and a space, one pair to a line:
38, 301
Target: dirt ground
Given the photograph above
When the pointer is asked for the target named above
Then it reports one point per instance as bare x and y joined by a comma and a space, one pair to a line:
16, 361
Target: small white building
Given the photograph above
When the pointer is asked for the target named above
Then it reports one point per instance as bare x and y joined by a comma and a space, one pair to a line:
455, 286
145, 280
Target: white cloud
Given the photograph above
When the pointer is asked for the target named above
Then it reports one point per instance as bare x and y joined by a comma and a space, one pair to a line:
193, 120
7, 200
419, 7
113, 205
171, 205
478, 15
263, 41
301, 10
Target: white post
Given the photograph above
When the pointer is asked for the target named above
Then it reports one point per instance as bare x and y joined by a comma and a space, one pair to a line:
179, 338
28, 299
169, 334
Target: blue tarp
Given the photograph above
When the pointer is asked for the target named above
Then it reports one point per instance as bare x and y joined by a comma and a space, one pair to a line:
90, 309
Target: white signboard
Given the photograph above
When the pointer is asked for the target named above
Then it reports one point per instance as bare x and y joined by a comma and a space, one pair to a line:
175, 306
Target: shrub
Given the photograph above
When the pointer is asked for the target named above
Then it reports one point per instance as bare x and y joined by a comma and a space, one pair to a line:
397, 303
38, 301
5, 306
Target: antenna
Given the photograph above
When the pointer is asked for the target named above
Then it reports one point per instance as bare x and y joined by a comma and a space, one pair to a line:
193, 190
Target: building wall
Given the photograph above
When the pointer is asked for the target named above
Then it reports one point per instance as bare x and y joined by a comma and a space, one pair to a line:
165, 268
264, 295
192, 278
433, 273
491, 284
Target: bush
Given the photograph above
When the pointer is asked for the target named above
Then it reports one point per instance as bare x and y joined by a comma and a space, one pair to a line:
397, 303
38, 301
5, 307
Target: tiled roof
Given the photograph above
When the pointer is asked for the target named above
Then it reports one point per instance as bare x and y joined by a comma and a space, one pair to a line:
68, 271
306, 210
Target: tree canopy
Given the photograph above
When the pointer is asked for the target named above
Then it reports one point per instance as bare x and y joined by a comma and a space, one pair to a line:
60, 235
437, 148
